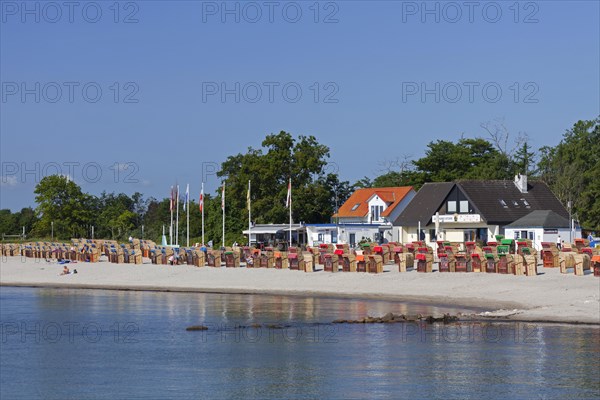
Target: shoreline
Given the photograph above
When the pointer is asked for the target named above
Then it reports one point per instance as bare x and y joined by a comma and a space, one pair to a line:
427, 300
540, 299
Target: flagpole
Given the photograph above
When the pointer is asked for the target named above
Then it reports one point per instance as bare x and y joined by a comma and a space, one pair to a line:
177, 223
202, 195
171, 226
290, 212
187, 198
249, 216
223, 207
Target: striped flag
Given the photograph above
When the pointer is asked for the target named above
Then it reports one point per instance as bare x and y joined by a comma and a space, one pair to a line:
223, 197
172, 204
248, 197
201, 201
288, 200
187, 196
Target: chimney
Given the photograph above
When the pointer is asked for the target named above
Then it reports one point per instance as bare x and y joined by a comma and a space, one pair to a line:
521, 183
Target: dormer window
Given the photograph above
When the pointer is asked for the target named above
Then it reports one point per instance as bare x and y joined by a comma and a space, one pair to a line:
451, 207
376, 212
503, 203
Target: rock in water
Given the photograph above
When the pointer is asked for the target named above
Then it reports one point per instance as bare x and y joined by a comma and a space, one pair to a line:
196, 328
450, 318
387, 317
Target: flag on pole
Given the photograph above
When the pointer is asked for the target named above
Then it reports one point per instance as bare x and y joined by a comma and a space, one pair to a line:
223, 197
288, 201
187, 196
248, 197
201, 201
172, 204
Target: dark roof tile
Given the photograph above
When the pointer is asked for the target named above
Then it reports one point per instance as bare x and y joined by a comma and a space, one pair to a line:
541, 219
424, 204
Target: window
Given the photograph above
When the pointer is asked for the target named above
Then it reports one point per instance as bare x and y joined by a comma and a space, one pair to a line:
524, 234
531, 235
516, 235
525, 202
334, 237
432, 235
355, 207
320, 238
469, 235
482, 234
515, 203
503, 203
376, 212
451, 207
464, 206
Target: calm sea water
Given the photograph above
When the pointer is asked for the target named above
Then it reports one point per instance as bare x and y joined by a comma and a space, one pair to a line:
88, 344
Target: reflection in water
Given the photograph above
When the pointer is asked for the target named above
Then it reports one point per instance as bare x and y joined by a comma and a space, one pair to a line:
143, 350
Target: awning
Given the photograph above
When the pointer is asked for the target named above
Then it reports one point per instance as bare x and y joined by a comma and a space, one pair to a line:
262, 231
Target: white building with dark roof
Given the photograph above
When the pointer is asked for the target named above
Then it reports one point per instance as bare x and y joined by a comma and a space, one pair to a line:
473, 209
542, 226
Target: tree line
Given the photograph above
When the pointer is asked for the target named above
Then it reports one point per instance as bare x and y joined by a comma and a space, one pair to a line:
571, 169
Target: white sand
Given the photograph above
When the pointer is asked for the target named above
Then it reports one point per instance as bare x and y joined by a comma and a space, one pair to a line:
550, 296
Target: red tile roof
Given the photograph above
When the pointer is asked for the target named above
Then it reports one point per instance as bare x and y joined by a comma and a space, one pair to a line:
391, 195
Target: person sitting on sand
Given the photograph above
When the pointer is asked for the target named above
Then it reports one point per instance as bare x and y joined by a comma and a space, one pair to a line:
65, 271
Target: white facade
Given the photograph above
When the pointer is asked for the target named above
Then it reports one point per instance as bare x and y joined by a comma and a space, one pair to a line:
451, 232
539, 235
347, 233
354, 233
321, 233
376, 208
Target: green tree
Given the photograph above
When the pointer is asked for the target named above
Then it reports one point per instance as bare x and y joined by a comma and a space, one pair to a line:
116, 218
572, 170
445, 161
26, 218
60, 200
269, 168
524, 160
364, 182
8, 223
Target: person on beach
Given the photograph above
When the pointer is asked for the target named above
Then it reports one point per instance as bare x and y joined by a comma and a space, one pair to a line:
65, 271
558, 242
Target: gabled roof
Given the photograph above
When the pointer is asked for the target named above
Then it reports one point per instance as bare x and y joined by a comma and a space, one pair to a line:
499, 202
360, 198
541, 219
424, 204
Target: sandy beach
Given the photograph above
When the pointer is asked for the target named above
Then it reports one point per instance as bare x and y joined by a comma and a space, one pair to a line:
548, 297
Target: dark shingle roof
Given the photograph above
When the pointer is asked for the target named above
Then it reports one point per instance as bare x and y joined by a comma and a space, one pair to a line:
499, 202
541, 219
487, 196
424, 204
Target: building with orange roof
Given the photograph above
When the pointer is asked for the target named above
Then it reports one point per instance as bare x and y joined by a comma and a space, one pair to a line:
367, 214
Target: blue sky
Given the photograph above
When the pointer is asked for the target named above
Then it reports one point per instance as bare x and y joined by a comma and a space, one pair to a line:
162, 116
